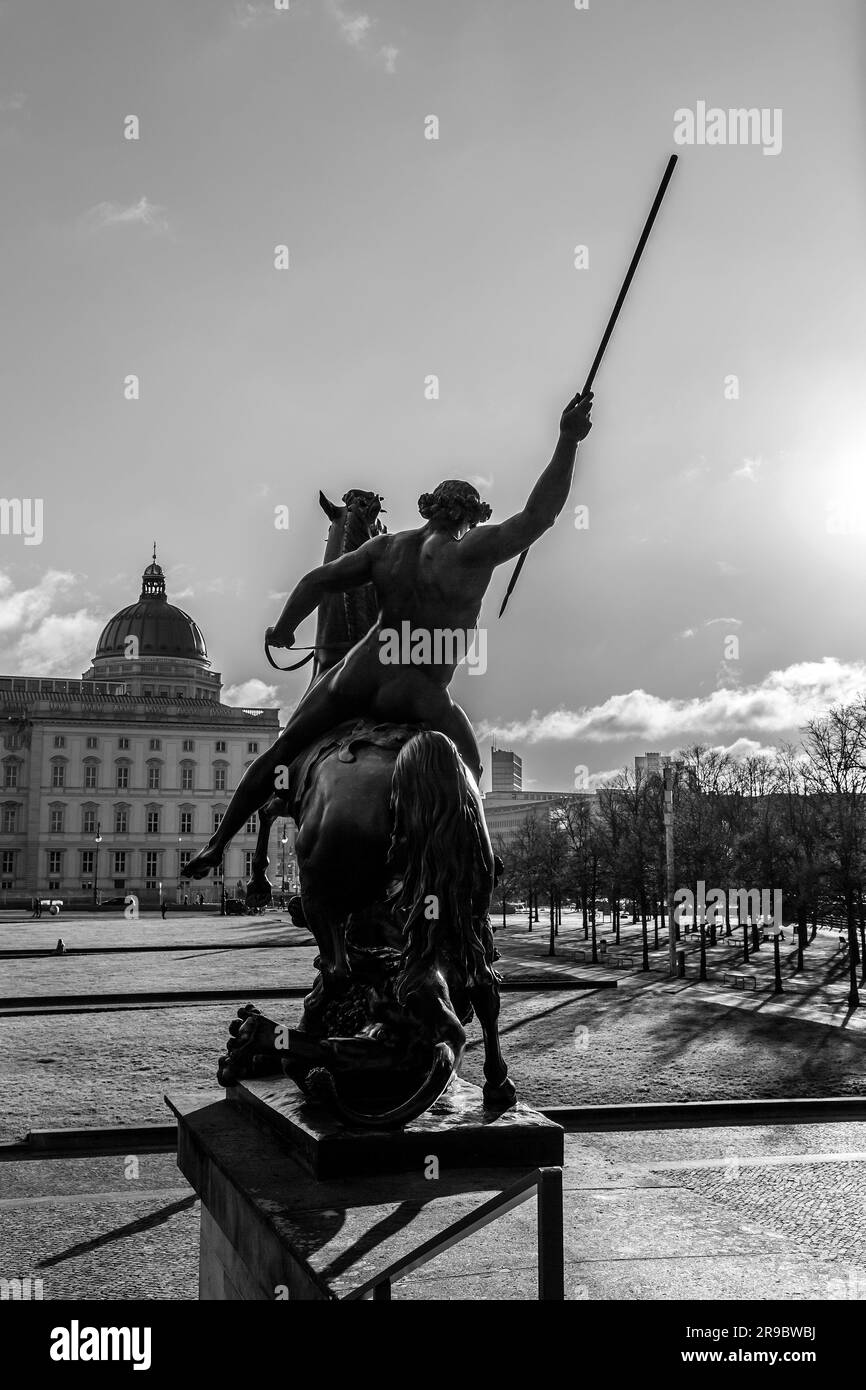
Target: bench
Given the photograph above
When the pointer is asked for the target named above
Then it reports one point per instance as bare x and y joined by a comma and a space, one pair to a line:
739, 981
624, 962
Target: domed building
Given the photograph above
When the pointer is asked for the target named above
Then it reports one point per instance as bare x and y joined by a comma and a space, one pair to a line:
111, 782
154, 648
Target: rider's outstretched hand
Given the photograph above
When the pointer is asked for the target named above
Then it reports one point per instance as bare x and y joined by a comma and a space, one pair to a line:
275, 638
575, 423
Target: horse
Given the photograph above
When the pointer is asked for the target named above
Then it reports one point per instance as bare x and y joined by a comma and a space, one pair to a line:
397, 875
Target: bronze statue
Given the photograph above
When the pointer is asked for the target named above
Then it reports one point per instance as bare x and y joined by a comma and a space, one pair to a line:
380, 769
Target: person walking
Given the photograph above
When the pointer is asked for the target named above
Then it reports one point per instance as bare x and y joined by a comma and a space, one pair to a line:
164, 908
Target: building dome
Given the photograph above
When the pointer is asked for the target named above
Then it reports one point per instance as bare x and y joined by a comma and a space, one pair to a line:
161, 629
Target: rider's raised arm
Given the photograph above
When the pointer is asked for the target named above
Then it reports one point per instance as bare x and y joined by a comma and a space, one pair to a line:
491, 545
348, 572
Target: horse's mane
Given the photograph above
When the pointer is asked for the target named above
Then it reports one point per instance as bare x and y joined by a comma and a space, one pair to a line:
437, 819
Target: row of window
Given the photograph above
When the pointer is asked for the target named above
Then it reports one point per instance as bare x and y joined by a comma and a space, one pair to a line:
11, 773
153, 820
155, 744
120, 864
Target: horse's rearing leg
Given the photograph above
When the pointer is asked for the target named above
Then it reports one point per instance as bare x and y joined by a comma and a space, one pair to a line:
499, 1089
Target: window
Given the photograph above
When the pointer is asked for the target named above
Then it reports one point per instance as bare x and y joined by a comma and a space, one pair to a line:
7, 862
92, 741
90, 774
153, 777
88, 821
221, 745
153, 822
252, 825
252, 748
86, 863
10, 775
248, 862
10, 820
187, 778
151, 864
217, 819
121, 820
54, 885
55, 820
55, 861
185, 857
123, 742
219, 779
189, 745
186, 822
122, 781
58, 774
120, 861
155, 745
59, 740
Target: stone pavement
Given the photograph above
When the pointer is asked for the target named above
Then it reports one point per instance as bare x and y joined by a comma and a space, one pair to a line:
765, 1212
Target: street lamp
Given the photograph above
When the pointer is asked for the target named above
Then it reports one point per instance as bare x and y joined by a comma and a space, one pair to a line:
97, 840
284, 841
179, 866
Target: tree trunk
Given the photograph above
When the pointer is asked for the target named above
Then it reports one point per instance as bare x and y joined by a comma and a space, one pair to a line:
854, 993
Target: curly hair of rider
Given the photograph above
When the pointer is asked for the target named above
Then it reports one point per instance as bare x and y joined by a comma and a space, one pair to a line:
454, 502
447, 878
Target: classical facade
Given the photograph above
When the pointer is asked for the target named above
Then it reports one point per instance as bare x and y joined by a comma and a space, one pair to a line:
110, 783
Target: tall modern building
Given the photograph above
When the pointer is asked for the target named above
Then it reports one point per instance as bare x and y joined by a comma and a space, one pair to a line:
508, 808
506, 771
109, 784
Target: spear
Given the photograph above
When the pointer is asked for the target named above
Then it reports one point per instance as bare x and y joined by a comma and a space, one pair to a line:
611, 323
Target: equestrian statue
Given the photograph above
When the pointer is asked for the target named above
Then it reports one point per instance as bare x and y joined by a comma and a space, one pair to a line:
380, 771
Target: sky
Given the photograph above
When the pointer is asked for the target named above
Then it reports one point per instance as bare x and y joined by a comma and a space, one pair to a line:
716, 593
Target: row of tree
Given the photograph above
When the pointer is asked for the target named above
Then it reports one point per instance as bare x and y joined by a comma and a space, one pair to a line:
792, 819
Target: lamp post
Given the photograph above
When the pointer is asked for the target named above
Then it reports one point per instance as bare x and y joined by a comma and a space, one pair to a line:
179, 842
97, 840
673, 933
284, 841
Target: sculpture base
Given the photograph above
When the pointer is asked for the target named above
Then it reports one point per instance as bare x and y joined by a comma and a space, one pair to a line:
459, 1130
272, 1230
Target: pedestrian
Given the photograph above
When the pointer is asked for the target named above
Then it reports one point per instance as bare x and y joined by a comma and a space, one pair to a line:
37, 906
164, 908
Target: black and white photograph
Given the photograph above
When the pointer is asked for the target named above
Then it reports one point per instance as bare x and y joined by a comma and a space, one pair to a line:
433, 670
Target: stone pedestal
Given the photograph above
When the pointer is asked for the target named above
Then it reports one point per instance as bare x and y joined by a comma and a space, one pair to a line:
295, 1206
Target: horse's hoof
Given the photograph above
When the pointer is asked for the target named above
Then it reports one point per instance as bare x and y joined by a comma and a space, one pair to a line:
500, 1097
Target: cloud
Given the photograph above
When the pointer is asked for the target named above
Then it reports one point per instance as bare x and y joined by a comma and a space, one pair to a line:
776, 706
36, 639
12, 101
246, 13
140, 214
749, 469
355, 29
709, 622
251, 694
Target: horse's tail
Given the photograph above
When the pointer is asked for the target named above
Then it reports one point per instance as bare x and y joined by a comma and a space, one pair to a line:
447, 865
